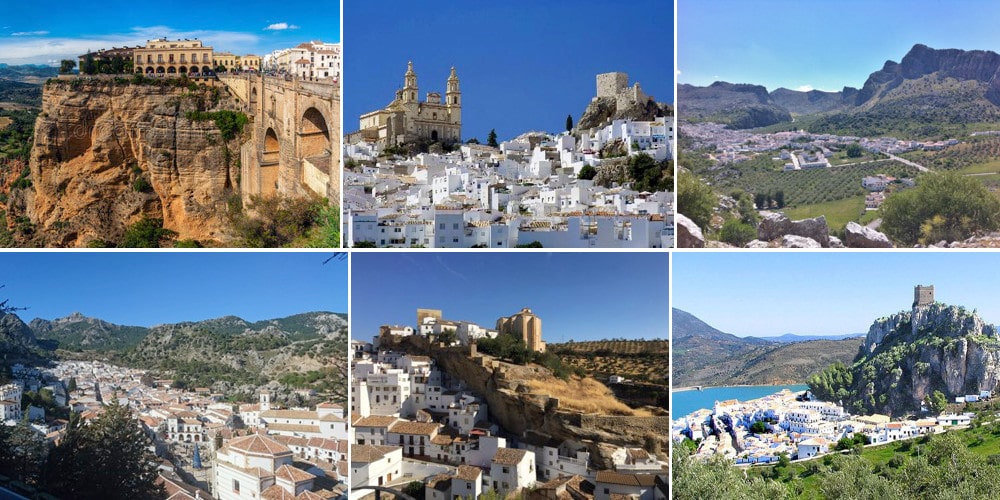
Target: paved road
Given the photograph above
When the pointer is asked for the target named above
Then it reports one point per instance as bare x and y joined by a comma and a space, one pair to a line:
908, 162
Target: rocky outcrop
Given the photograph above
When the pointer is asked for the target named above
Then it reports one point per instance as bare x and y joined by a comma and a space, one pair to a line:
95, 140
858, 236
909, 355
688, 233
793, 241
602, 110
776, 225
519, 409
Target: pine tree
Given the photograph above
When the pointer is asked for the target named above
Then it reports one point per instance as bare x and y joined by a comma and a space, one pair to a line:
127, 468
63, 475
569, 123
491, 140
24, 452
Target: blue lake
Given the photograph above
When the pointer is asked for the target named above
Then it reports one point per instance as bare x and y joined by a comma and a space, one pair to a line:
685, 402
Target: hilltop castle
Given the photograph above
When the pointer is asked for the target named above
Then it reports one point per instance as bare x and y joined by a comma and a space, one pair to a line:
923, 296
615, 85
406, 119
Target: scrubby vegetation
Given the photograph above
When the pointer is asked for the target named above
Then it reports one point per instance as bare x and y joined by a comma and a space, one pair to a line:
281, 221
229, 123
944, 206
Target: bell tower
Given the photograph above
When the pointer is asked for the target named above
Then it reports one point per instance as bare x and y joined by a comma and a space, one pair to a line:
410, 84
453, 98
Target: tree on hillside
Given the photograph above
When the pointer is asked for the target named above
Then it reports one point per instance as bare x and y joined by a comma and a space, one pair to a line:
66, 66
587, 173
491, 140
472, 141
938, 401
695, 199
946, 206
854, 150
779, 198
569, 123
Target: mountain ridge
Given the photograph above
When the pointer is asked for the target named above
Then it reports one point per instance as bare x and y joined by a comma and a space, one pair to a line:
703, 355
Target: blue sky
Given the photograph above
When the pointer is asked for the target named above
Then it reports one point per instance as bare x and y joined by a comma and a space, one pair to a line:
766, 294
524, 65
578, 296
46, 32
823, 45
149, 288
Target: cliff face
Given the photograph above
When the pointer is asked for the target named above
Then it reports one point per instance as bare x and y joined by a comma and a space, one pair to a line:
909, 355
519, 409
94, 139
978, 65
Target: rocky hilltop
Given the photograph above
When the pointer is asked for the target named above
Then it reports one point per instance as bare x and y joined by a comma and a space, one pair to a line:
602, 110
737, 105
78, 332
17, 341
909, 355
108, 153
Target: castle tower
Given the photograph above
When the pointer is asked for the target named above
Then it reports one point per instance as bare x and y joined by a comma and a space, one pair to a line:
410, 84
923, 295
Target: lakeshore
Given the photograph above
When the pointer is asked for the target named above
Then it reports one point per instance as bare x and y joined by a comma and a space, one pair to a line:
685, 401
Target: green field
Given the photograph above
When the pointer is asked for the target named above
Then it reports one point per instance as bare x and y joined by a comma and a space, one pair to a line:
804, 187
838, 213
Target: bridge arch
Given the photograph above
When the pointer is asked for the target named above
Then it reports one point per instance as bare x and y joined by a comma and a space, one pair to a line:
270, 163
314, 134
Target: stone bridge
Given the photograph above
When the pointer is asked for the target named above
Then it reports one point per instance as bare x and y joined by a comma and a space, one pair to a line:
294, 148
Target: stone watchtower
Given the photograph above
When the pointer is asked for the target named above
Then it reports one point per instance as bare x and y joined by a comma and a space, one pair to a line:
923, 295
611, 84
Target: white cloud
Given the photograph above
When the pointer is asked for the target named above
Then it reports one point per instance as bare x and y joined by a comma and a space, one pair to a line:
43, 49
280, 27
30, 33
805, 88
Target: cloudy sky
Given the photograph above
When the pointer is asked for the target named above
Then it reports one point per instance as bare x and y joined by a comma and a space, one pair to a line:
37, 33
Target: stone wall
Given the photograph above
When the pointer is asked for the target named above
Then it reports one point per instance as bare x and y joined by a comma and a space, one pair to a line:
610, 84
618, 424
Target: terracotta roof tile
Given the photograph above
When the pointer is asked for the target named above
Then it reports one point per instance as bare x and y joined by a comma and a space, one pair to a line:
508, 456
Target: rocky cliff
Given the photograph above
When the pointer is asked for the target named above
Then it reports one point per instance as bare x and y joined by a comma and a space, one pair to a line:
108, 153
519, 408
909, 355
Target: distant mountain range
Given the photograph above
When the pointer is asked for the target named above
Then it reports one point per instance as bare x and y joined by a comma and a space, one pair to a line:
703, 355
226, 349
927, 86
791, 337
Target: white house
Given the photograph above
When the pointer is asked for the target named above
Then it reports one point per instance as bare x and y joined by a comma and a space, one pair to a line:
375, 465
511, 470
